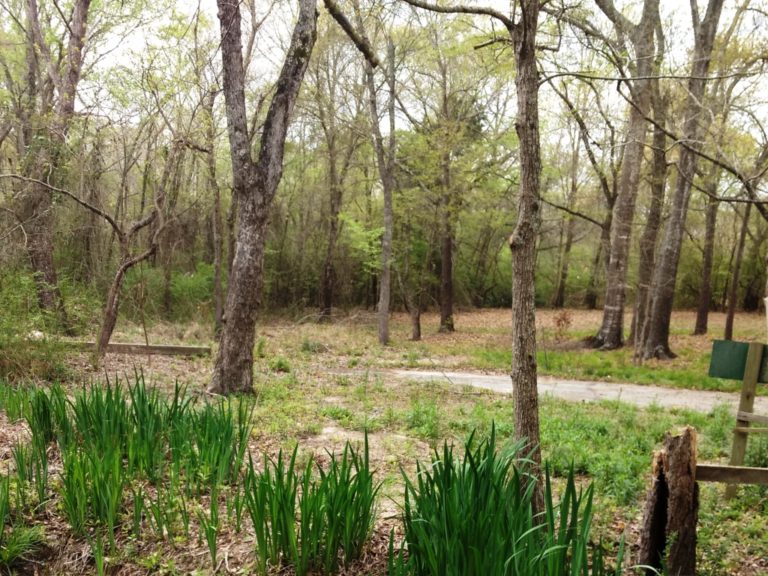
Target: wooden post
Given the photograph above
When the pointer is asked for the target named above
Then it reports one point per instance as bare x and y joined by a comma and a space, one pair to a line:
668, 532
746, 406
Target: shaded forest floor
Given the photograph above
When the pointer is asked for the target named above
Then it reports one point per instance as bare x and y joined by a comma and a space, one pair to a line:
321, 385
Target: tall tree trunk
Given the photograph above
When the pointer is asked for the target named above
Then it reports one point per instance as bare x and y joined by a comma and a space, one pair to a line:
522, 242
329, 274
385, 161
385, 284
705, 290
665, 274
232, 215
650, 235
217, 224
255, 184
733, 293
42, 164
446, 264
611, 333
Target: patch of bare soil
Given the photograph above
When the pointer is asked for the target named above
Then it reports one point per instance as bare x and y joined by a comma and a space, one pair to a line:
159, 370
11, 434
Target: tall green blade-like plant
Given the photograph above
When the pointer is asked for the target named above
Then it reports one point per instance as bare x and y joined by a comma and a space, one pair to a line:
270, 498
474, 516
146, 440
74, 491
349, 496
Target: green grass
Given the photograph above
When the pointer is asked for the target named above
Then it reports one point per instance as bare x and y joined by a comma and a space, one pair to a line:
616, 365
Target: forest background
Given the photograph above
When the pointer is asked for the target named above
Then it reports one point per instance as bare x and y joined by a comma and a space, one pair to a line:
143, 121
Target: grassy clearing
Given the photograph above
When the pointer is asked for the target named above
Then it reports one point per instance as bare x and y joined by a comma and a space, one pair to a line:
175, 506
318, 388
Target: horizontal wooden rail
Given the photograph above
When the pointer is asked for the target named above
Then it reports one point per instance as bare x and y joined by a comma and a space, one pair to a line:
134, 348
749, 417
731, 474
750, 430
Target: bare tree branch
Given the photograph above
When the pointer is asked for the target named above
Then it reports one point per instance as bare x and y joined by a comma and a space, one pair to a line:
359, 41
95, 209
509, 24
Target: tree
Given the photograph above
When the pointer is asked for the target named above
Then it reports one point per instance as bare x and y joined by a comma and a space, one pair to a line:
338, 104
254, 184
51, 89
522, 241
641, 36
656, 342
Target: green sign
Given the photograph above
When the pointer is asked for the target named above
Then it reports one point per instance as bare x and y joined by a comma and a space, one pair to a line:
729, 358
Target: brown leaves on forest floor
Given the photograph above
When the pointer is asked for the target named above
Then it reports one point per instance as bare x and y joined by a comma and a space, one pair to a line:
321, 359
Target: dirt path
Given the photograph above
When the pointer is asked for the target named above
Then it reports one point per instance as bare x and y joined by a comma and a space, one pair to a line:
580, 391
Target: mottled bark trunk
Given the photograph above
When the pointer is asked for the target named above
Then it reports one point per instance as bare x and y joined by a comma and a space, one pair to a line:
255, 184
233, 371
733, 293
611, 333
231, 232
708, 257
522, 242
656, 344
649, 238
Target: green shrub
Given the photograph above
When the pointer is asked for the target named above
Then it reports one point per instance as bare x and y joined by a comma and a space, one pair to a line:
22, 357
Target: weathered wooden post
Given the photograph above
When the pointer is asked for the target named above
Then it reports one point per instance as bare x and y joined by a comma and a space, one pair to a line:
668, 532
741, 361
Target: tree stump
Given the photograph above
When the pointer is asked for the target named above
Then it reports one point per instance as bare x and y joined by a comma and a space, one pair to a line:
668, 532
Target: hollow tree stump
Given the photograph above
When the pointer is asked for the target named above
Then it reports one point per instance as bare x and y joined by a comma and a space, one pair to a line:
668, 532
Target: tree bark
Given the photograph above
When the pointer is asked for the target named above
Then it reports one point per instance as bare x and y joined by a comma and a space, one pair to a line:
705, 290
733, 292
656, 344
42, 160
668, 531
522, 242
385, 162
611, 333
255, 184
650, 234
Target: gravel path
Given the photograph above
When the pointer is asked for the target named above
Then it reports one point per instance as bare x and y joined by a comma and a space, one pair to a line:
580, 391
